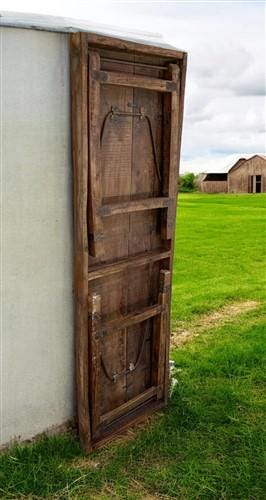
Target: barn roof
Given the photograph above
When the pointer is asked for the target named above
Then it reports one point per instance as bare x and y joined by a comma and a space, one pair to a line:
232, 161
242, 160
69, 25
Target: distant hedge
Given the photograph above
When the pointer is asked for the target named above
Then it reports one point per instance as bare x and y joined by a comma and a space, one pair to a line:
187, 183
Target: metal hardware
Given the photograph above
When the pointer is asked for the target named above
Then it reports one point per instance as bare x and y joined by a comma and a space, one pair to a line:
141, 115
116, 112
132, 366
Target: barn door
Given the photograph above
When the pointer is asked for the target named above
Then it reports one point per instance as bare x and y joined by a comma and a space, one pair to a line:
126, 109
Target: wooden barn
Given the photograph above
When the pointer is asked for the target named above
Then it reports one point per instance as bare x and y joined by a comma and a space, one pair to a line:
214, 183
246, 175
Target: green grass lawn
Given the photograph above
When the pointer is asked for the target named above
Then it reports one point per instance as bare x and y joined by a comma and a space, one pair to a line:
209, 443
220, 252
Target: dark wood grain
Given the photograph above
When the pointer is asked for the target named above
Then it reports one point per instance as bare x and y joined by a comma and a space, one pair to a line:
133, 206
94, 309
131, 319
127, 46
95, 228
79, 74
138, 81
129, 405
161, 334
121, 265
180, 111
125, 183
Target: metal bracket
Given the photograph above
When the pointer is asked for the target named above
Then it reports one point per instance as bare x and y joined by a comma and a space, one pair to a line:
141, 115
117, 112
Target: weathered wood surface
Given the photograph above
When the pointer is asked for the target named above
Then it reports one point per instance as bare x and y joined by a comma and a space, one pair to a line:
131, 319
94, 310
126, 46
134, 206
132, 105
95, 226
128, 80
239, 176
102, 270
129, 405
79, 75
160, 363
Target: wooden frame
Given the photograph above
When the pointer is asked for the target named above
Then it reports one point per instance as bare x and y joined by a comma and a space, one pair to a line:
90, 211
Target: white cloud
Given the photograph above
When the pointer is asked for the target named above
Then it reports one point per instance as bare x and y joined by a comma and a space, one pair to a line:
225, 106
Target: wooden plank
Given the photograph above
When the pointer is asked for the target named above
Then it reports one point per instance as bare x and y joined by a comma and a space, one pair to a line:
171, 157
161, 333
78, 56
133, 47
180, 124
181, 107
138, 64
116, 150
94, 181
129, 405
136, 81
102, 270
128, 420
145, 230
134, 206
113, 348
94, 306
174, 71
131, 319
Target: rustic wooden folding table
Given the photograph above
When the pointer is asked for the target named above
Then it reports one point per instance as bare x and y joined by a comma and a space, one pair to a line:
127, 107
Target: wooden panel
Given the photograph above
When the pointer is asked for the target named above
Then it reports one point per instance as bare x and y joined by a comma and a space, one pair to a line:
102, 270
116, 143
131, 319
133, 206
132, 47
127, 80
161, 333
95, 229
170, 176
115, 161
126, 153
94, 303
79, 74
145, 182
129, 405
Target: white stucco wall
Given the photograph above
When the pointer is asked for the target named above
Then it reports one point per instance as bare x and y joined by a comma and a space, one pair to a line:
37, 354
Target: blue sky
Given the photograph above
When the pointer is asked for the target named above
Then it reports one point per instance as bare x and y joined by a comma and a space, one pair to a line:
225, 97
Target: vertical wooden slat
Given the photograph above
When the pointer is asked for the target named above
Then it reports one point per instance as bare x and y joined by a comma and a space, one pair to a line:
94, 303
116, 148
178, 132
161, 334
95, 188
171, 171
78, 50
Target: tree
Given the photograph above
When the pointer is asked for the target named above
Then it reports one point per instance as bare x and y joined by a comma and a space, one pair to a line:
187, 182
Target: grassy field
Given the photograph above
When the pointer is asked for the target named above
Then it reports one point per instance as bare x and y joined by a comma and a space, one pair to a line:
209, 443
220, 252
